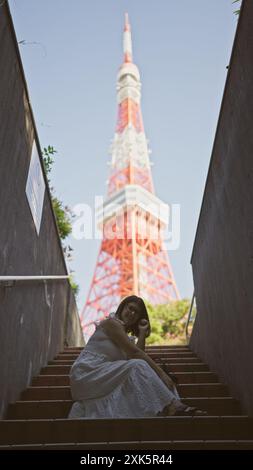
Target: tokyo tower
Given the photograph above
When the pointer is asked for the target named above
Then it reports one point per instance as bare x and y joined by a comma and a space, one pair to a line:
132, 257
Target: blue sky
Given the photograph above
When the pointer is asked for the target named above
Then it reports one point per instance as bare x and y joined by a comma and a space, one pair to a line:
71, 57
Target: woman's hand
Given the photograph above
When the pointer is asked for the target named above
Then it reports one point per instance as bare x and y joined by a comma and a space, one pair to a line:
144, 331
143, 326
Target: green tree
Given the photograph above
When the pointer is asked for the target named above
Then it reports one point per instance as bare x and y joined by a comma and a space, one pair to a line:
168, 322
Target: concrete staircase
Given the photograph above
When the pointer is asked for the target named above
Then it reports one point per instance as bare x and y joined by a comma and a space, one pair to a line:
39, 419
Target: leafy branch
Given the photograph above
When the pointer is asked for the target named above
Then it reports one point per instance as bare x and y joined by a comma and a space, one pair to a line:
237, 12
63, 214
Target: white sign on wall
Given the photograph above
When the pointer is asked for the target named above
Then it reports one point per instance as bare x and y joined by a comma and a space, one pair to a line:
35, 188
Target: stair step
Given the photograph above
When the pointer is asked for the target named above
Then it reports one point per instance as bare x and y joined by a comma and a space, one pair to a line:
185, 367
55, 370
172, 346
165, 358
182, 367
88, 430
38, 419
46, 393
73, 357
148, 349
52, 409
46, 409
174, 359
184, 390
196, 377
149, 346
182, 377
136, 445
203, 390
216, 406
57, 362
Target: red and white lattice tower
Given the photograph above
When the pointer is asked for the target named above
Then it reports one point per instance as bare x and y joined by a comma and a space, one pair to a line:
132, 258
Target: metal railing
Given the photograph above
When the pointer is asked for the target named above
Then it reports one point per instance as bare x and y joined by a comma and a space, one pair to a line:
189, 317
9, 281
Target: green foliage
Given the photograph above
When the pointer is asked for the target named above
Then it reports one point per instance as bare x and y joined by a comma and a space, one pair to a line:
62, 213
74, 286
236, 12
168, 322
63, 218
48, 153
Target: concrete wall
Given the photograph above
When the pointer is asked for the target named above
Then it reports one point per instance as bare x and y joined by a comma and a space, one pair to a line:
36, 319
222, 259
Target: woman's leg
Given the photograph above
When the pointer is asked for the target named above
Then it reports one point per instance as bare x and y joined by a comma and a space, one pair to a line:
154, 393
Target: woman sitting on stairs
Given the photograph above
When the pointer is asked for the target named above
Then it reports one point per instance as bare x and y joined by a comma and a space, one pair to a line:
114, 378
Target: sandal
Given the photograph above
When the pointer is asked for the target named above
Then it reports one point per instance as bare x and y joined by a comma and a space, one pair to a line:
190, 411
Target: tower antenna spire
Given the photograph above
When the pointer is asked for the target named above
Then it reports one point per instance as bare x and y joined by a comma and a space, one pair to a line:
127, 41
126, 20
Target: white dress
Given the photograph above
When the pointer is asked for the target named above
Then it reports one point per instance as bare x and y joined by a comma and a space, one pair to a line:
105, 384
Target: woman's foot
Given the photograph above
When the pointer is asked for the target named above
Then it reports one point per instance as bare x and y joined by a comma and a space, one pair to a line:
180, 409
190, 411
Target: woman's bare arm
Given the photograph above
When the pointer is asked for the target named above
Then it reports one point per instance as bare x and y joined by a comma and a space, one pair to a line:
144, 331
141, 340
118, 335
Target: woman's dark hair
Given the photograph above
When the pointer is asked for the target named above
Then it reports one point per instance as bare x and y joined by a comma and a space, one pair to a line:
134, 329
